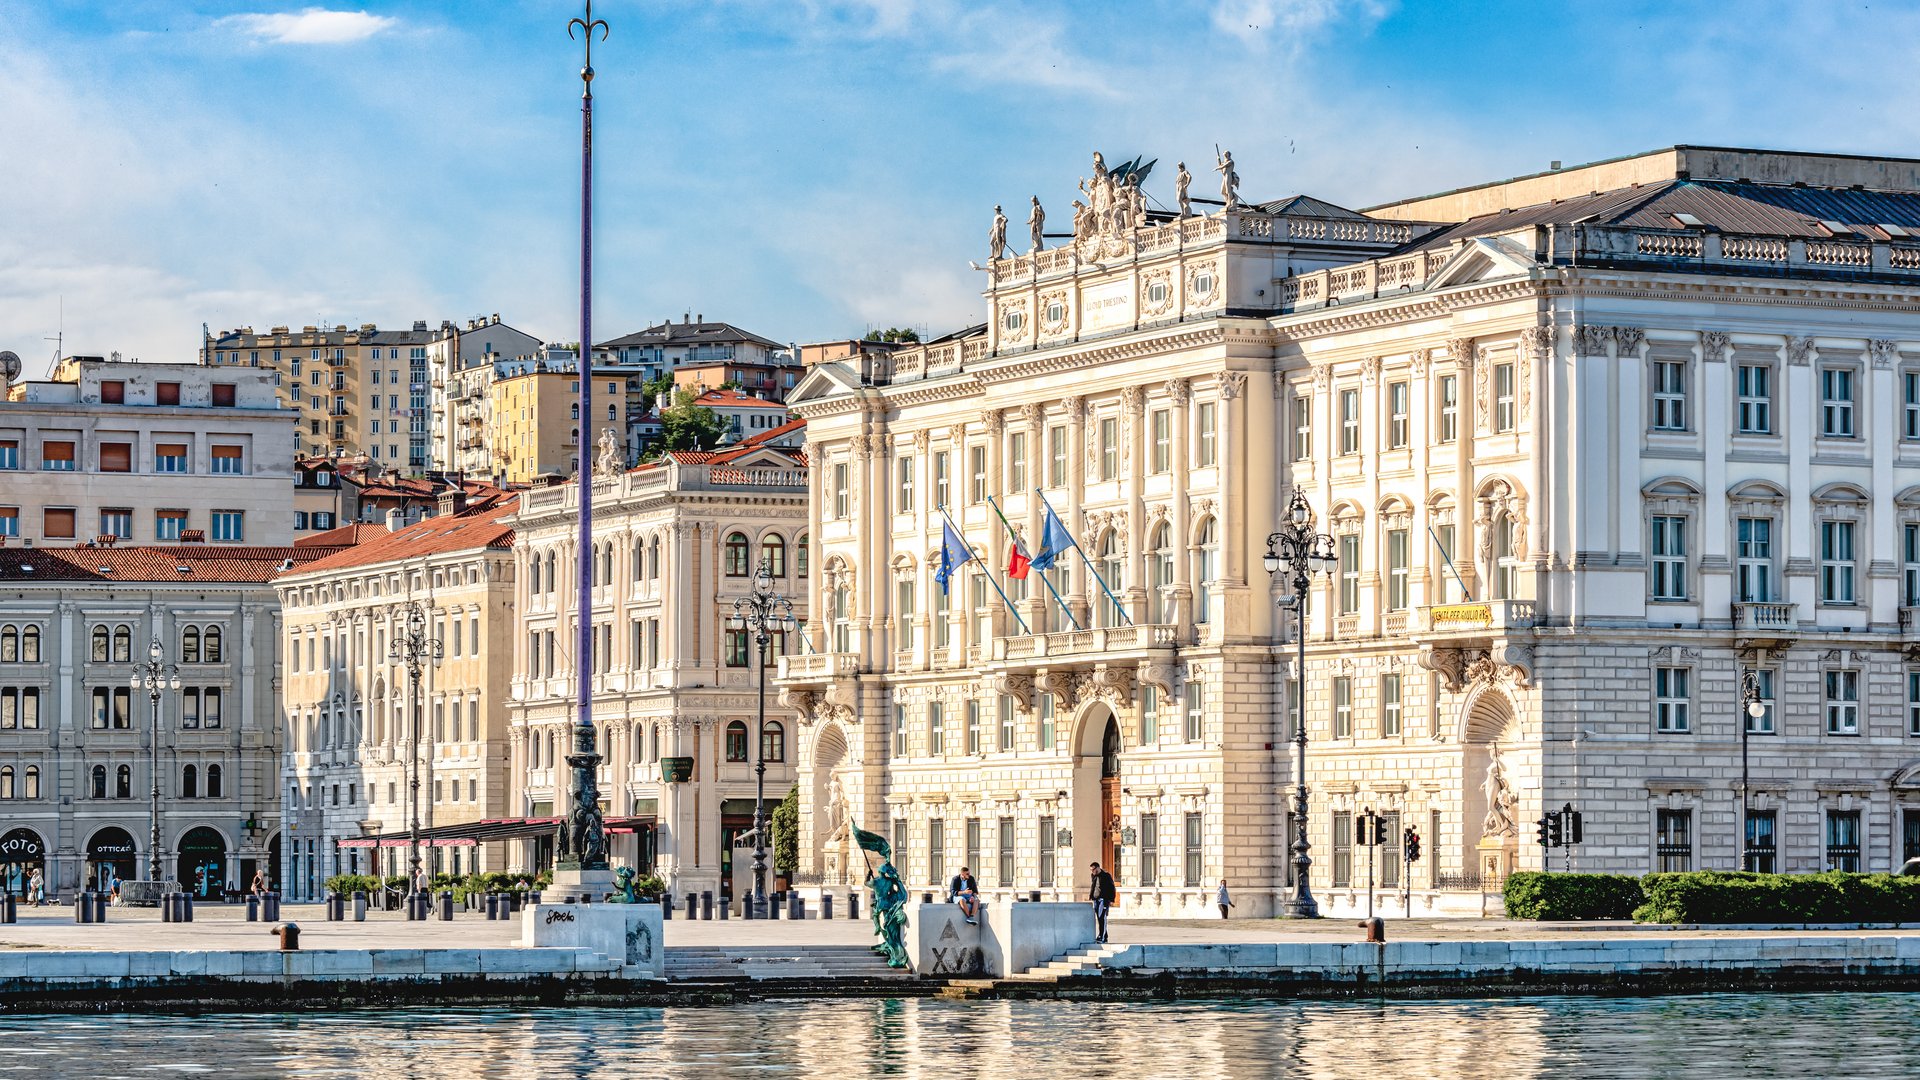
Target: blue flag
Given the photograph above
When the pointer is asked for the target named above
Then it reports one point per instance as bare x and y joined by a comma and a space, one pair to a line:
1054, 539
954, 553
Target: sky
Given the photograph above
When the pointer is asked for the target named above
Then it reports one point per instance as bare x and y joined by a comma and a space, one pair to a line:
806, 169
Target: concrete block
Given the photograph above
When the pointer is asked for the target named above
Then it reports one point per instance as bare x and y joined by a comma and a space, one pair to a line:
262, 965
398, 961
940, 941
342, 961
629, 934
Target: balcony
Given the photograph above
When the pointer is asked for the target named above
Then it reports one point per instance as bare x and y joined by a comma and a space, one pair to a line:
1478, 618
1084, 644
1769, 626
818, 667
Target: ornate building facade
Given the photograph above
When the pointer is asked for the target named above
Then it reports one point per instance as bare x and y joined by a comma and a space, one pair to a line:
676, 541
1588, 446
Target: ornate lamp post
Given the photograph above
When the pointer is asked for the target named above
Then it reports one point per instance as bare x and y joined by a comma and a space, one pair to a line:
155, 675
757, 613
414, 649
1297, 552
1754, 710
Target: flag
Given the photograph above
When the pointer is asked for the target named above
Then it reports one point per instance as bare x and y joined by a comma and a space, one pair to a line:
873, 842
954, 553
1054, 539
1018, 561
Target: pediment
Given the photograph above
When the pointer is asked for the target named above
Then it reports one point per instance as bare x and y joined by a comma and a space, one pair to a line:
1483, 258
824, 381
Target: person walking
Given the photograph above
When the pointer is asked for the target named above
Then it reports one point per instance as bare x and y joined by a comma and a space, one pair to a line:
1102, 894
965, 891
1223, 899
37, 888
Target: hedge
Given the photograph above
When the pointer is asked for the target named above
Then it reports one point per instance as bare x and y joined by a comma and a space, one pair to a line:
1531, 894
1728, 897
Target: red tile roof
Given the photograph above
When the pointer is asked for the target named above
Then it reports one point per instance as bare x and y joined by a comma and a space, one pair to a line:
201, 562
478, 527
736, 399
344, 536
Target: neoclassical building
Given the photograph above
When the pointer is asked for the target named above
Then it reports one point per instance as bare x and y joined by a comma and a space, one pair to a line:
676, 541
1588, 444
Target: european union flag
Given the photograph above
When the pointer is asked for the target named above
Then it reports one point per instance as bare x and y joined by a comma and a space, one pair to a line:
954, 553
1054, 539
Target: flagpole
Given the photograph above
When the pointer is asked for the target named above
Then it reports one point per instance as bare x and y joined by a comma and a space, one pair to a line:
1043, 574
1448, 559
1024, 628
1117, 606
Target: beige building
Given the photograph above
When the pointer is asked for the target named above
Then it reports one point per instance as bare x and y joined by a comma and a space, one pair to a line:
535, 421
1584, 458
462, 363
675, 542
360, 729
118, 453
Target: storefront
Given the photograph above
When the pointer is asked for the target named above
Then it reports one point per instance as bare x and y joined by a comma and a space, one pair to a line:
21, 853
203, 863
111, 858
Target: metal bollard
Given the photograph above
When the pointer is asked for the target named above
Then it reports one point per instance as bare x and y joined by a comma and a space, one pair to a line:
83, 907
100, 907
336, 907
166, 907
446, 905
826, 906
1376, 929
666, 907
359, 906
693, 906
796, 907
746, 906
926, 898
253, 908
725, 909
9, 909
533, 897
493, 907
706, 906
853, 905
270, 907
1033, 897
186, 907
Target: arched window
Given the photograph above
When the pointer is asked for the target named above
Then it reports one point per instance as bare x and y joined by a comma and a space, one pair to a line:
552, 566
653, 559
210, 644
573, 412
737, 555
1160, 572
213, 781
639, 556
99, 781
123, 782
122, 644
30, 645
773, 742
773, 552
654, 738
189, 782
98, 654
842, 607
1506, 568
800, 556
190, 645
9, 644
33, 783
737, 741
1206, 550
1113, 570
6, 781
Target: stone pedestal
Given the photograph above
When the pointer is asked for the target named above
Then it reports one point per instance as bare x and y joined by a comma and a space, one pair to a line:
940, 940
626, 933
1497, 854
572, 885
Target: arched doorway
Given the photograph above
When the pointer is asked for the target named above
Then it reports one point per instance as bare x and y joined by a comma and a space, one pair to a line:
203, 863
1096, 794
1110, 794
111, 857
21, 853
273, 863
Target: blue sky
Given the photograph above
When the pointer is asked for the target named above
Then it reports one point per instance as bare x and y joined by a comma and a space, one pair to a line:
805, 168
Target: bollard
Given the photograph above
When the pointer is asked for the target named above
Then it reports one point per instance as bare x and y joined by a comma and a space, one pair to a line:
9, 910
666, 907
493, 907
853, 905
1033, 897
100, 907
336, 909
359, 905
253, 908
796, 906
289, 936
706, 905
926, 898
725, 909
693, 906
533, 897
446, 905
270, 907
1376, 929
746, 906
186, 907
83, 907
166, 907
826, 906
773, 906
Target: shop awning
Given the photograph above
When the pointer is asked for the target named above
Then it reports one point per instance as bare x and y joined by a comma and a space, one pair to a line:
492, 830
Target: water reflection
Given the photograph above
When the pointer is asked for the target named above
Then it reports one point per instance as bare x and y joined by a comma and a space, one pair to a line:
1785, 1035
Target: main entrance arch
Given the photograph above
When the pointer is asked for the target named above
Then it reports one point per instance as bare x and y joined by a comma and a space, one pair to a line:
203, 863
1096, 793
110, 856
21, 853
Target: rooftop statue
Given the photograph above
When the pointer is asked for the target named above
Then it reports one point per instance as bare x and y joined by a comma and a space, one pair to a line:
1181, 180
1037, 223
1229, 179
997, 236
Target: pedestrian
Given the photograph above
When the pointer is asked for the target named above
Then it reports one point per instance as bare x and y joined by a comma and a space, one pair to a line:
1102, 894
260, 883
963, 890
37, 888
92, 883
1223, 899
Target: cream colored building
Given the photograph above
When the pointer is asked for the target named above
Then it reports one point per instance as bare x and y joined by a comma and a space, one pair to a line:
359, 729
675, 541
120, 453
535, 421
462, 363
1658, 412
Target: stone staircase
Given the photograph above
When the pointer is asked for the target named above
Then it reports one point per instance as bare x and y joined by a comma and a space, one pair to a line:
822, 962
1071, 965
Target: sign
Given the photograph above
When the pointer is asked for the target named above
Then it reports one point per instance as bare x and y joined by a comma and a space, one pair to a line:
1106, 305
110, 849
1458, 616
20, 846
676, 770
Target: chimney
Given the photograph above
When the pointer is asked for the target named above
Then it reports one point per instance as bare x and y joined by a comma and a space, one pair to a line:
453, 501
701, 317
396, 520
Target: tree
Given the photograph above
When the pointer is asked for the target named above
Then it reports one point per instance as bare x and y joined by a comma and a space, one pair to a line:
654, 389
686, 426
894, 333
786, 832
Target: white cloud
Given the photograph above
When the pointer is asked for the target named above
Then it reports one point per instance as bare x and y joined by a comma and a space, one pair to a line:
1258, 22
311, 26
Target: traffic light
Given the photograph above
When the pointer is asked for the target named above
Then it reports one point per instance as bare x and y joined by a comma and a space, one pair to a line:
1361, 833
1410, 840
1379, 831
1541, 825
1572, 818
1556, 830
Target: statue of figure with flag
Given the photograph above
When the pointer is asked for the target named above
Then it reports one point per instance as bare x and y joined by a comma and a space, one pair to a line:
889, 898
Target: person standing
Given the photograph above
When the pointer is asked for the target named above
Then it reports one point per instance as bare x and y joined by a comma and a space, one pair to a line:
1223, 899
1102, 894
37, 888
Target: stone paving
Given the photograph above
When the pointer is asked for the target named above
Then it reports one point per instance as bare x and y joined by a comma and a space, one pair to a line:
219, 927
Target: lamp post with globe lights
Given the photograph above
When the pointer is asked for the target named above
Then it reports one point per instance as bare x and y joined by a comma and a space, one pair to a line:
1753, 708
1295, 554
155, 675
758, 613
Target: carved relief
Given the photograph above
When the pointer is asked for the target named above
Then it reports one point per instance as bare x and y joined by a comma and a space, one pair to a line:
1232, 384
1482, 396
993, 421
1369, 370
957, 434
1060, 685
1799, 351
1017, 687
1322, 378
1884, 353
1422, 360
922, 439
1629, 338
1016, 324
1461, 349
1130, 398
1537, 342
1177, 390
1592, 340
1203, 283
1161, 677
1053, 312
1156, 292
1713, 344
1032, 412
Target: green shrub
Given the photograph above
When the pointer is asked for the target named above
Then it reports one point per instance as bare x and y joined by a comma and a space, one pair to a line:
1531, 894
348, 884
1729, 897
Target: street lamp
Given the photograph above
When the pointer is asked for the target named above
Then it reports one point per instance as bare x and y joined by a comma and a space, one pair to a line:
759, 611
1750, 694
156, 675
413, 648
1298, 553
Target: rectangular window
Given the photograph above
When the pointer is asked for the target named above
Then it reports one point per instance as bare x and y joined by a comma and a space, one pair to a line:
1149, 715
227, 460
170, 457
223, 395
1056, 457
1762, 846
113, 392
977, 468
1349, 574
1836, 562
1669, 395
56, 456
116, 457
1204, 432
1671, 701
1302, 427
1343, 707
1754, 552
942, 479
1913, 703
936, 852
1762, 724
903, 591
1193, 851
9, 521
1006, 852
1342, 822
1195, 728
1048, 844
1162, 441
1756, 399
1149, 850
1046, 721
737, 651
167, 393
1399, 545
841, 502
973, 847
1843, 841
9, 453
169, 524
1673, 841
1669, 543
57, 523
900, 848
1349, 422
899, 731
1398, 394
1017, 462
936, 728
1842, 701
229, 525
1449, 397
1006, 723
117, 522
1109, 447
1390, 705
1836, 402
1503, 386
903, 470
973, 727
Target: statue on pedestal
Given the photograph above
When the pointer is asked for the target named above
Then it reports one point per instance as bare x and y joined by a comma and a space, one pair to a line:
1501, 804
1037, 223
997, 236
612, 455
1229, 179
1181, 180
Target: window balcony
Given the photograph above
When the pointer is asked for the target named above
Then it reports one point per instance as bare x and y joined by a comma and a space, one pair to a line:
1769, 625
1478, 618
